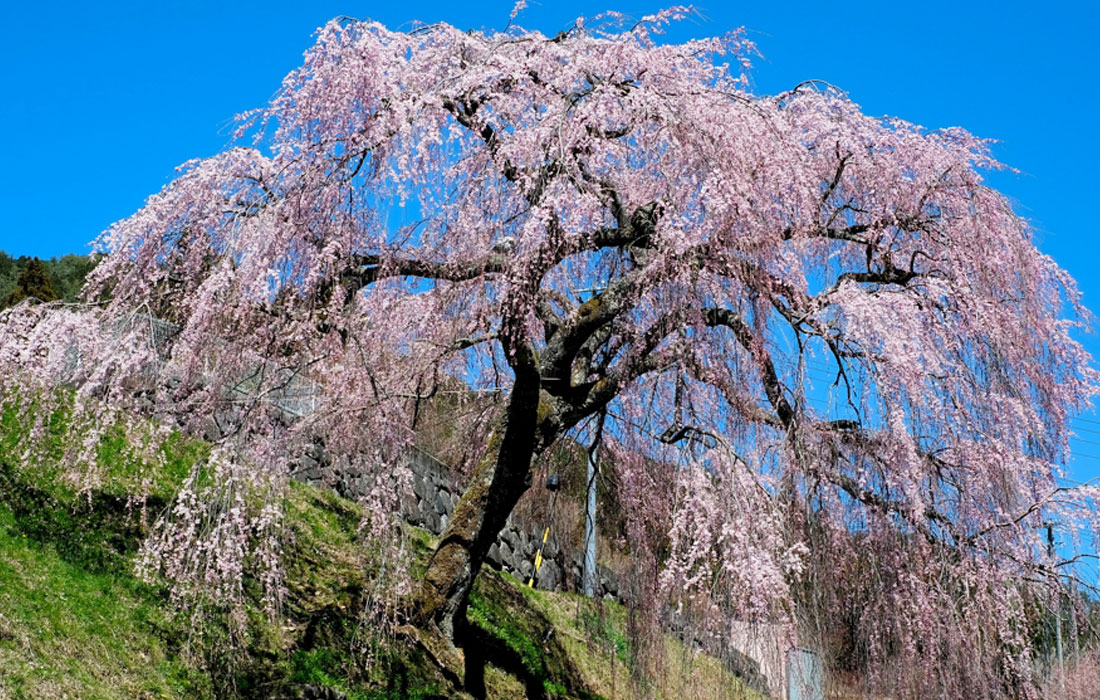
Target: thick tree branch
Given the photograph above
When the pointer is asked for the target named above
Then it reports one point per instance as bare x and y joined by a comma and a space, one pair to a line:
367, 269
773, 387
593, 314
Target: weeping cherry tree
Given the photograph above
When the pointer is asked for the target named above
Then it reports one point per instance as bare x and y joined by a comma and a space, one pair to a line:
821, 349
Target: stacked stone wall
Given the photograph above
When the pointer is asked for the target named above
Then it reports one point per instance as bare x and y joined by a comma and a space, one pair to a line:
435, 492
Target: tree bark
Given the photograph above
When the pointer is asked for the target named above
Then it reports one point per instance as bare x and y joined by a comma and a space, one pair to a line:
500, 478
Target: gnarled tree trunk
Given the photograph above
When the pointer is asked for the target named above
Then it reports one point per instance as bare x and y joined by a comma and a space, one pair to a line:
501, 477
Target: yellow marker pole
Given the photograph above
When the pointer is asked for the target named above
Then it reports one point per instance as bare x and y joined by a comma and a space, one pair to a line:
538, 558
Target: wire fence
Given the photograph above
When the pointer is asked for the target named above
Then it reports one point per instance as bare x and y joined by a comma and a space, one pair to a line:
294, 393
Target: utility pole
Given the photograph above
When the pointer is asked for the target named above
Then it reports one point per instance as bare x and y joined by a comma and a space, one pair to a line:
1057, 613
590, 578
1073, 619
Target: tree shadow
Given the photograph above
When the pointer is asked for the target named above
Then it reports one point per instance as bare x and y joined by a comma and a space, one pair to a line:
97, 531
480, 648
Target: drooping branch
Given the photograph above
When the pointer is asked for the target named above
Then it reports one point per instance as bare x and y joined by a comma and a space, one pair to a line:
773, 387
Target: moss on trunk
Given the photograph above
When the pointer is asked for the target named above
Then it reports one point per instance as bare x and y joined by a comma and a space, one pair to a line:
502, 476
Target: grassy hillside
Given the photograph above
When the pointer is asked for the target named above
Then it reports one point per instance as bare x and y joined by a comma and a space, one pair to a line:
76, 623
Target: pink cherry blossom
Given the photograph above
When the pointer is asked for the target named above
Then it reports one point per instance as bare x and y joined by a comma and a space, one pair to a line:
600, 223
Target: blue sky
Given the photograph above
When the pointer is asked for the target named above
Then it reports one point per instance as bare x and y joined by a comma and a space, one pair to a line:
102, 101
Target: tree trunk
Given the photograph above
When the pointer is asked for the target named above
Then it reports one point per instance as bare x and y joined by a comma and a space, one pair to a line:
496, 486
501, 477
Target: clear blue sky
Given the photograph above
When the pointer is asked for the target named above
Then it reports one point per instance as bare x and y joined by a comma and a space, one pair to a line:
103, 100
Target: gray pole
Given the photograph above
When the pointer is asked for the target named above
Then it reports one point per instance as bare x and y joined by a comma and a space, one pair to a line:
1073, 620
1057, 614
590, 530
590, 579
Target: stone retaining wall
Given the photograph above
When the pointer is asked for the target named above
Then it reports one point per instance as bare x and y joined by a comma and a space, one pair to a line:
435, 492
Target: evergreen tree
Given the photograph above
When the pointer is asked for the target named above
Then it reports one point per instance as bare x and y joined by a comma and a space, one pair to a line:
9, 271
34, 283
68, 272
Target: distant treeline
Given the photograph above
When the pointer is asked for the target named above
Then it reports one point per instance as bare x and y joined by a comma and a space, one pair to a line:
56, 278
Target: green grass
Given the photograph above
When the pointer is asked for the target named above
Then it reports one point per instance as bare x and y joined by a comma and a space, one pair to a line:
593, 636
76, 623
67, 632
500, 622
